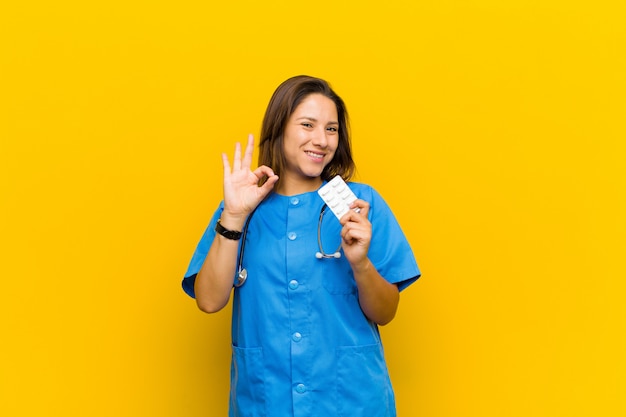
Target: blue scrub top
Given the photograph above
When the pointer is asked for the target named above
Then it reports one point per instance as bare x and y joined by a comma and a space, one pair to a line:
301, 346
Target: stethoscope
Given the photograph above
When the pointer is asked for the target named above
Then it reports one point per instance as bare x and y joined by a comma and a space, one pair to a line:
242, 273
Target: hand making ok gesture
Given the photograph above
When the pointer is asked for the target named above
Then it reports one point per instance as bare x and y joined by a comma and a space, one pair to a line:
242, 193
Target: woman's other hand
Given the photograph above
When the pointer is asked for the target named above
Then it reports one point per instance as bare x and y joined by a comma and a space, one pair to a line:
356, 233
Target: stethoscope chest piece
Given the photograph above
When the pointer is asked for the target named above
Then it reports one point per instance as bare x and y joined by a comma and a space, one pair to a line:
242, 276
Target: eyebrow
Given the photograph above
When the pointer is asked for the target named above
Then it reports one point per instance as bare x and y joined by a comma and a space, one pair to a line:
313, 119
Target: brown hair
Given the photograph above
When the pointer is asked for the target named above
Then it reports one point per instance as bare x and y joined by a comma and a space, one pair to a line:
283, 103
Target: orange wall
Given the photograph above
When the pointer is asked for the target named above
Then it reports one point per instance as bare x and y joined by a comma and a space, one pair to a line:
494, 129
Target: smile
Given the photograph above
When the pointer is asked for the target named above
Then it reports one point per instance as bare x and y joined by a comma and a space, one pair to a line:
315, 155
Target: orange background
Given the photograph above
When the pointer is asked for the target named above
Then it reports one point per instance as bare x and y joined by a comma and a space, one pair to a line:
495, 130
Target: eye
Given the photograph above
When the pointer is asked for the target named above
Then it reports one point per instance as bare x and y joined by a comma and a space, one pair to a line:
307, 124
332, 129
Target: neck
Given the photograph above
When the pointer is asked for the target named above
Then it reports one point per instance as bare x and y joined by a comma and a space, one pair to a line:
289, 186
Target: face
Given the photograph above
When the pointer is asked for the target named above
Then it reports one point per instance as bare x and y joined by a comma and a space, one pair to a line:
310, 139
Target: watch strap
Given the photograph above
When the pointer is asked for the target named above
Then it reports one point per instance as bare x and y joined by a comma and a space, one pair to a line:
228, 234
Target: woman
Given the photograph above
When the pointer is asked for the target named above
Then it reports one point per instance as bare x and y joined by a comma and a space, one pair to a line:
305, 334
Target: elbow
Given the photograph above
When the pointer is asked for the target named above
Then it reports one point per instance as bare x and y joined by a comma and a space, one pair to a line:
386, 319
385, 314
208, 306
382, 317
211, 299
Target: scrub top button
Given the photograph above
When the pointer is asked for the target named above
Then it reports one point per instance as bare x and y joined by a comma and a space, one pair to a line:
296, 337
295, 201
292, 236
293, 284
300, 388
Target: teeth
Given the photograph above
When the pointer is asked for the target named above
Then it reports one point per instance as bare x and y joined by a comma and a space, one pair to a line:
315, 155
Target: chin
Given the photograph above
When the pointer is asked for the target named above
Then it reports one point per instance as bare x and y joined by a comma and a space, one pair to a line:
314, 175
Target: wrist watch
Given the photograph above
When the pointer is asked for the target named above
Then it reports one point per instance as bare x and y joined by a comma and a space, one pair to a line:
228, 234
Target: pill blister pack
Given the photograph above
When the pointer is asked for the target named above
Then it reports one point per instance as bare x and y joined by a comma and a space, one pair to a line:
337, 196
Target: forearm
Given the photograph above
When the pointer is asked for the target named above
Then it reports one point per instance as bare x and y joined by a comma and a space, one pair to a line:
214, 281
378, 298
242, 194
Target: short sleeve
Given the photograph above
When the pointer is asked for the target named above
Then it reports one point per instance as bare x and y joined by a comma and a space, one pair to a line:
390, 251
200, 254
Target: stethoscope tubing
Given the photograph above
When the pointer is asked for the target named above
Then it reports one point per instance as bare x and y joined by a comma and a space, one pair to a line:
242, 273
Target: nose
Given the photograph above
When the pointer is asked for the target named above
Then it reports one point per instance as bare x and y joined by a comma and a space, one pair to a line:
319, 138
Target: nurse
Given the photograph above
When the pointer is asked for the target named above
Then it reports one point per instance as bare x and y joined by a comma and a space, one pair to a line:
305, 339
